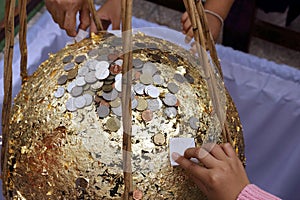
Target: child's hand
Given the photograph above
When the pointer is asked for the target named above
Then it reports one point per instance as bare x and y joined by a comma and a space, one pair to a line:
222, 176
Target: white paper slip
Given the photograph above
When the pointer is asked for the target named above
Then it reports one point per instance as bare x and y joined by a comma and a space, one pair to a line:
179, 145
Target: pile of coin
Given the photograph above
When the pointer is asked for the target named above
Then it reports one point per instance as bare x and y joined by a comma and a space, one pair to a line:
98, 79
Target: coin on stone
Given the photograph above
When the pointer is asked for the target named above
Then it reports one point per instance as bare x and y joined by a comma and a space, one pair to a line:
139, 88
70, 104
80, 102
69, 66
70, 86
118, 85
83, 71
110, 96
152, 91
147, 115
146, 78
113, 124
194, 123
59, 92
134, 104
189, 78
137, 63
88, 99
93, 52
159, 139
173, 88
80, 59
142, 104
115, 69
179, 78
149, 68
90, 77
103, 111
62, 80
102, 65
158, 80
170, 99
76, 91
171, 112
102, 73
80, 81
117, 111
107, 88
153, 104
67, 59
97, 86
72, 74
119, 62
115, 103
92, 64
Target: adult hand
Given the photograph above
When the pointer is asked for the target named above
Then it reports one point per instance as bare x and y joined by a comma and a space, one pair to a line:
222, 176
109, 12
64, 14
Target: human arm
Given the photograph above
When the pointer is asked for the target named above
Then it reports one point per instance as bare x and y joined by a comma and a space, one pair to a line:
109, 11
221, 8
64, 14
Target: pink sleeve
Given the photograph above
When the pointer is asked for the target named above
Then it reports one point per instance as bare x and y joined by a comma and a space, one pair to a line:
252, 192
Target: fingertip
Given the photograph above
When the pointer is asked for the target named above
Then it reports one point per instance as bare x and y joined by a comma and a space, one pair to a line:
175, 156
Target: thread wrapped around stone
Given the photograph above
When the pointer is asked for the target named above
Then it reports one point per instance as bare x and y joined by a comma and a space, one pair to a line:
65, 137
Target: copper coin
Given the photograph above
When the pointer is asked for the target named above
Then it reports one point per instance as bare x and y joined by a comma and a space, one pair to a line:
72, 74
115, 69
147, 115
137, 195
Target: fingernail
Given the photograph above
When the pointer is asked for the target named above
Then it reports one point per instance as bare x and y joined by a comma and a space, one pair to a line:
175, 156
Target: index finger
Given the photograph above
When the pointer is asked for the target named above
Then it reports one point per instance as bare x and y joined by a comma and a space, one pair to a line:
70, 23
192, 168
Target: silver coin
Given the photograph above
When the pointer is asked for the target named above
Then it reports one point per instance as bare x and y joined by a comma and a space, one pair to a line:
90, 77
134, 103
119, 62
171, 112
80, 81
93, 52
118, 85
67, 59
71, 86
69, 66
153, 104
77, 91
97, 86
110, 96
70, 104
115, 103
80, 102
59, 92
102, 65
102, 57
146, 79
62, 80
92, 64
152, 91
83, 71
179, 78
86, 87
137, 63
194, 123
103, 111
88, 99
149, 68
139, 88
117, 111
170, 99
158, 80
102, 73
173, 88
80, 59
118, 77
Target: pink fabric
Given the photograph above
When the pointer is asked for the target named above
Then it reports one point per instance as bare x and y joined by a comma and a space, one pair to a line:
252, 192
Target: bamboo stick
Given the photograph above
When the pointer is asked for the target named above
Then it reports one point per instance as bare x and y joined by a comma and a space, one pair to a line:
211, 82
22, 39
208, 37
126, 96
6, 110
94, 16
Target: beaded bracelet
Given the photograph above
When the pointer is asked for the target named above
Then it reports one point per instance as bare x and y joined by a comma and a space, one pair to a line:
216, 15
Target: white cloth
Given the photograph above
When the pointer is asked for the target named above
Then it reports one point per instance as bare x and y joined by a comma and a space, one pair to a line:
266, 94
